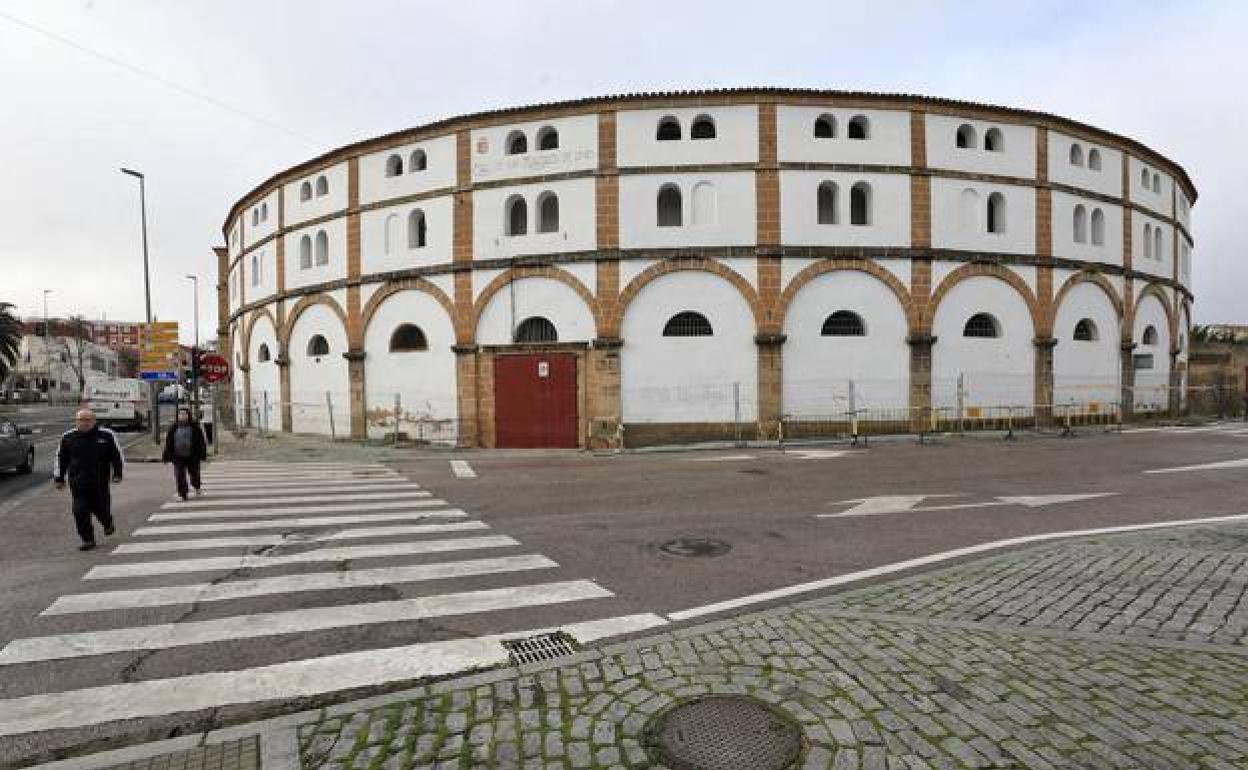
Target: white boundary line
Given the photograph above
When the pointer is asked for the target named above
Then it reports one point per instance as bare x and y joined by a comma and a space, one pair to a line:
462, 469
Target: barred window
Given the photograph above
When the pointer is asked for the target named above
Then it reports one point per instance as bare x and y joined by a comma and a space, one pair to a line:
536, 329
688, 324
844, 323
825, 203
981, 325
517, 216
407, 338
668, 130
1085, 331
318, 346
548, 213
703, 128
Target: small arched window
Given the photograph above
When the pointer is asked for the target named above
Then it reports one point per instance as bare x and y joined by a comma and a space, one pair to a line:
703, 128
981, 325
966, 136
255, 217
996, 213
1148, 241
1076, 155
536, 329
1150, 335
994, 140
670, 206
548, 213
305, 252
1158, 252
305, 191
843, 323
826, 203
517, 143
318, 346
1144, 178
668, 129
547, 138
417, 162
255, 270
262, 354
322, 186
517, 216
408, 338
688, 324
417, 230
825, 127
1156, 182
860, 204
394, 166
705, 204
859, 127
1085, 331
1081, 224
264, 212
322, 248
1094, 159
1098, 227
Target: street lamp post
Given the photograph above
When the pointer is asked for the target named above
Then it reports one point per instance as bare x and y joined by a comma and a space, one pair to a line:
195, 353
47, 351
147, 294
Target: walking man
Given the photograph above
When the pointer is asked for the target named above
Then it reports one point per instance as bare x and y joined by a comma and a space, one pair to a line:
88, 456
186, 449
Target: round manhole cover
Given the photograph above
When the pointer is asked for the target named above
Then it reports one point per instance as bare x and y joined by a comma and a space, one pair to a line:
695, 546
724, 732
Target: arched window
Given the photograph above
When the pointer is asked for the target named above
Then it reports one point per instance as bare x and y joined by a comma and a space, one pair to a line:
1081, 224
1076, 155
322, 248
668, 129
255, 217
1148, 241
966, 136
1144, 178
517, 143
859, 128
688, 324
417, 162
860, 204
408, 338
255, 270
1094, 159
994, 141
264, 212
670, 206
394, 166
996, 213
547, 138
825, 127
981, 325
392, 233
843, 323
826, 203
548, 213
517, 216
1098, 227
262, 354
704, 204
703, 128
1085, 331
1150, 335
536, 329
322, 186
417, 230
1158, 253
318, 346
1156, 182
305, 252
968, 211
305, 191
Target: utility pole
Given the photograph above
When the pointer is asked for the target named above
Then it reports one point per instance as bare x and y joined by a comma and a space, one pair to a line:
195, 354
147, 294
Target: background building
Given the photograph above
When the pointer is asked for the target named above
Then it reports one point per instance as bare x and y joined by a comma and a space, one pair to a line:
56, 362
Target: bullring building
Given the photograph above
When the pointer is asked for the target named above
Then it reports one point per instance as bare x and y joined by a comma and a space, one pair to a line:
656, 267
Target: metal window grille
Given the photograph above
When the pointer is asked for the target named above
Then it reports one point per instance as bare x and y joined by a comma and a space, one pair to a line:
980, 325
408, 337
703, 128
843, 323
1085, 331
688, 324
536, 329
669, 130
318, 346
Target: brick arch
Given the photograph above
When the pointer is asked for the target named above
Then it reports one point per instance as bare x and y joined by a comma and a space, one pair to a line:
1156, 290
516, 274
1039, 322
836, 265
405, 284
283, 334
1085, 276
681, 264
250, 326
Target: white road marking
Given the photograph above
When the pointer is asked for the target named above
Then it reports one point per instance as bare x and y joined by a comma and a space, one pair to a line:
462, 469
871, 506
721, 459
168, 635
293, 679
256, 511
295, 464
817, 454
339, 476
1226, 465
284, 487
344, 553
312, 581
319, 521
875, 506
217, 493
361, 533
922, 561
306, 499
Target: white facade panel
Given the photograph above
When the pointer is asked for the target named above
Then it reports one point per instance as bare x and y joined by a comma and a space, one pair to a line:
585, 272
265, 377
319, 388
1016, 156
888, 221
422, 380
328, 195
376, 183
731, 223
336, 234
1152, 360
577, 229
1106, 181
577, 150
960, 217
997, 371
746, 267
790, 267
261, 272
901, 268
1156, 200
887, 142
261, 218
1086, 373
388, 241
1065, 245
631, 268
529, 297
1158, 259
736, 137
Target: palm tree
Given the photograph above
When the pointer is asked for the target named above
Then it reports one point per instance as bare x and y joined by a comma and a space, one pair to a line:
10, 338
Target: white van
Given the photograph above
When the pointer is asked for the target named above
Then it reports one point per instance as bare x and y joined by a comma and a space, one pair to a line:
118, 403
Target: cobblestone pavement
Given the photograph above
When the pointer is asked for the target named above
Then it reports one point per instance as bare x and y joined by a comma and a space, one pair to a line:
1122, 652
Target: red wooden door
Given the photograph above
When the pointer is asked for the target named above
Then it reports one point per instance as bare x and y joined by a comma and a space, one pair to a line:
535, 400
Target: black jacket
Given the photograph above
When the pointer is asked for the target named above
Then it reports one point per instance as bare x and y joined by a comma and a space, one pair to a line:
88, 458
199, 446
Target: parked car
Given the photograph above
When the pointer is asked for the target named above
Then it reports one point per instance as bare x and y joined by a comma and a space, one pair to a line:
16, 450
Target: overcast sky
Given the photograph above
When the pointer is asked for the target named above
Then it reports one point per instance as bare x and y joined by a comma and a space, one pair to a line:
210, 98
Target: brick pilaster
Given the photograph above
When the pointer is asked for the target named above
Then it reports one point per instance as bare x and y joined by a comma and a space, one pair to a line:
602, 362
602, 394
1044, 378
1127, 405
279, 260
920, 338
466, 394
355, 320
769, 341
1044, 341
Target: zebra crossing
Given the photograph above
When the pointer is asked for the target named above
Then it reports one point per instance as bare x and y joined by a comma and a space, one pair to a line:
346, 564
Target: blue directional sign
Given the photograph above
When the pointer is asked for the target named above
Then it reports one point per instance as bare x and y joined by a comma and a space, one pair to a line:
158, 376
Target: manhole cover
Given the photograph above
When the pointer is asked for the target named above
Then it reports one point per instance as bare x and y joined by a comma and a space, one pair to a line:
695, 546
724, 732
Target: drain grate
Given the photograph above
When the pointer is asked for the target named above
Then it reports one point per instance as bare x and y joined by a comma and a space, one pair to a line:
724, 732
533, 649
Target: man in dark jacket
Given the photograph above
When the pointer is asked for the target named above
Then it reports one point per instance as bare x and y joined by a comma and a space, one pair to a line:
186, 448
88, 456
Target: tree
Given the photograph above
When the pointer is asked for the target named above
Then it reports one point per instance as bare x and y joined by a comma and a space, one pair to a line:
77, 335
10, 339
127, 362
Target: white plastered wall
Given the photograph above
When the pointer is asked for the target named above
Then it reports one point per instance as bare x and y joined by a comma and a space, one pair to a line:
1087, 372
1159, 202
439, 171
336, 231
1064, 245
998, 371
266, 390
1017, 158
888, 141
950, 230
424, 380
311, 378
253, 234
732, 225
889, 223
577, 228
736, 137
264, 258
550, 299
1159, 265
375, 257
1152, 385
577, 151
1107, 181
298, 211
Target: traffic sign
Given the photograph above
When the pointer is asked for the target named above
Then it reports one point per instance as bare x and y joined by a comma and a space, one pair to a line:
158, 376
213, 367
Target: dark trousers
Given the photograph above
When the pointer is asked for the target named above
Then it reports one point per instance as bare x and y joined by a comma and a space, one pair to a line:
180, 469
88, 502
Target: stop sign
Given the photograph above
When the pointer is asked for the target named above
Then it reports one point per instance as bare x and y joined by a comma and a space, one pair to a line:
213, 368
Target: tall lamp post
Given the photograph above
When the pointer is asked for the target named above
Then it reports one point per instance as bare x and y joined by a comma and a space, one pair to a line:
195, 353
147, 294
47, 351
